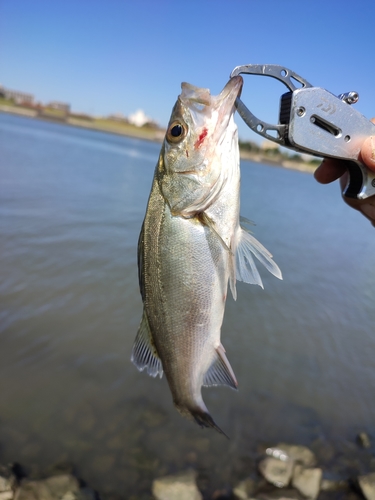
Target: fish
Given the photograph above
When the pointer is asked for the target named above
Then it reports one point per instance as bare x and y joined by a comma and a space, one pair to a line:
191, 245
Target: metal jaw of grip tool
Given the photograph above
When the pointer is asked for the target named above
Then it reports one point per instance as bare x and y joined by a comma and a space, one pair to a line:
314, 121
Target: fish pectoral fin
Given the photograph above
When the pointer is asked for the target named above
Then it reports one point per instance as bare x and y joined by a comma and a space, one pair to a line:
232, 276
144, 353
246, 247
207, 221
220, 372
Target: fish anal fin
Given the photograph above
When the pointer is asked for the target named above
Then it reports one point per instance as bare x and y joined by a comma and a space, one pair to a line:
144, 353
220, 372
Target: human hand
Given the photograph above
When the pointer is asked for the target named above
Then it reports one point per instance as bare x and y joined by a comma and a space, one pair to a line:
330, 170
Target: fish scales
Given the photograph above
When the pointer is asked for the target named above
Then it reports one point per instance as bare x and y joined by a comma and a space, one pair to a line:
185, 254
190, 246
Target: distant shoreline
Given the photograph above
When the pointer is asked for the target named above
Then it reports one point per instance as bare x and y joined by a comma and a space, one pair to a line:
148, 135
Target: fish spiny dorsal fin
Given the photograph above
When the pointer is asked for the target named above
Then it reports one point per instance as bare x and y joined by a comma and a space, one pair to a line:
220, 372
246, 247
144, 354
246, 222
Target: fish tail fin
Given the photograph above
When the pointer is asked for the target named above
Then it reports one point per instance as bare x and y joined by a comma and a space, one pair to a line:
204, 419
197, 411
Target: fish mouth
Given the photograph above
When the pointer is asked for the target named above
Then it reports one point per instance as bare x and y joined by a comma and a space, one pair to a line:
232, 89
199, 99
225, 104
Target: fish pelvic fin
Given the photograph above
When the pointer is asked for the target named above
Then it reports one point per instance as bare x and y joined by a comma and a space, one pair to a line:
246, 247
144, 353
220, 372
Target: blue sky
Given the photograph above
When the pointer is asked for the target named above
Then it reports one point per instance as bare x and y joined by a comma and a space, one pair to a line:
107, 56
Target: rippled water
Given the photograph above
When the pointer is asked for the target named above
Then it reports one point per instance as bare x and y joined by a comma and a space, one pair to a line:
71, 206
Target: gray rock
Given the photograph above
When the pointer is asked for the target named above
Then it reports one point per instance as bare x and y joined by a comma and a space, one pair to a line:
367, 484
177, 487
332, 485
364, 440
244, 490
307, 481
8, 483
323, 450
86, 494
277, 472
6, 495
61, 487
6, 488
284, 494
298, 453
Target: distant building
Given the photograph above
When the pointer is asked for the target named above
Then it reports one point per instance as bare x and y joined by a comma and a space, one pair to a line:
139, 118
17, 96
61, 106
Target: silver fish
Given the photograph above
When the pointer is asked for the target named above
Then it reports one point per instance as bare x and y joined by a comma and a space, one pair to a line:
191, 244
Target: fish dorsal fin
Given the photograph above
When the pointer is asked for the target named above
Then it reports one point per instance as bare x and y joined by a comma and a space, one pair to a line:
220, 372
246, 247
144, 354
246, 222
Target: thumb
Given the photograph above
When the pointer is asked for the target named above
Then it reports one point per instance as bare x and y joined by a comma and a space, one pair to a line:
368, 152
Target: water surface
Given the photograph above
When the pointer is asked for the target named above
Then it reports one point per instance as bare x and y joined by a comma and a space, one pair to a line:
71, 207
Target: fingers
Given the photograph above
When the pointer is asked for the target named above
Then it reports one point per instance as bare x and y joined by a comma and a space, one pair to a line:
329, 170
368, 153
366, 207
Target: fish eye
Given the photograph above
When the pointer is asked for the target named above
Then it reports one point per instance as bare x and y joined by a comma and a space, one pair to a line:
176, 132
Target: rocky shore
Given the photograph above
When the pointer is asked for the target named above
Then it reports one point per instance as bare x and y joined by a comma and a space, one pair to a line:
284, 471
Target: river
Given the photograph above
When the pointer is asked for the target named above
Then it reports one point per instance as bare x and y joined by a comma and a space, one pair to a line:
303, 349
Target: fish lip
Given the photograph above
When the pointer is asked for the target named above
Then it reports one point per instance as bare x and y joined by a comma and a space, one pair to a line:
225, 101
231, 91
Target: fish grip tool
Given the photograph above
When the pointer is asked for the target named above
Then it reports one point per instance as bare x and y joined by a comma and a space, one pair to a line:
313, 120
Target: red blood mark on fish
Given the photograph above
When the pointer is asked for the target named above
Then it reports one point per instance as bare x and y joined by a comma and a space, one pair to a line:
201, 138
